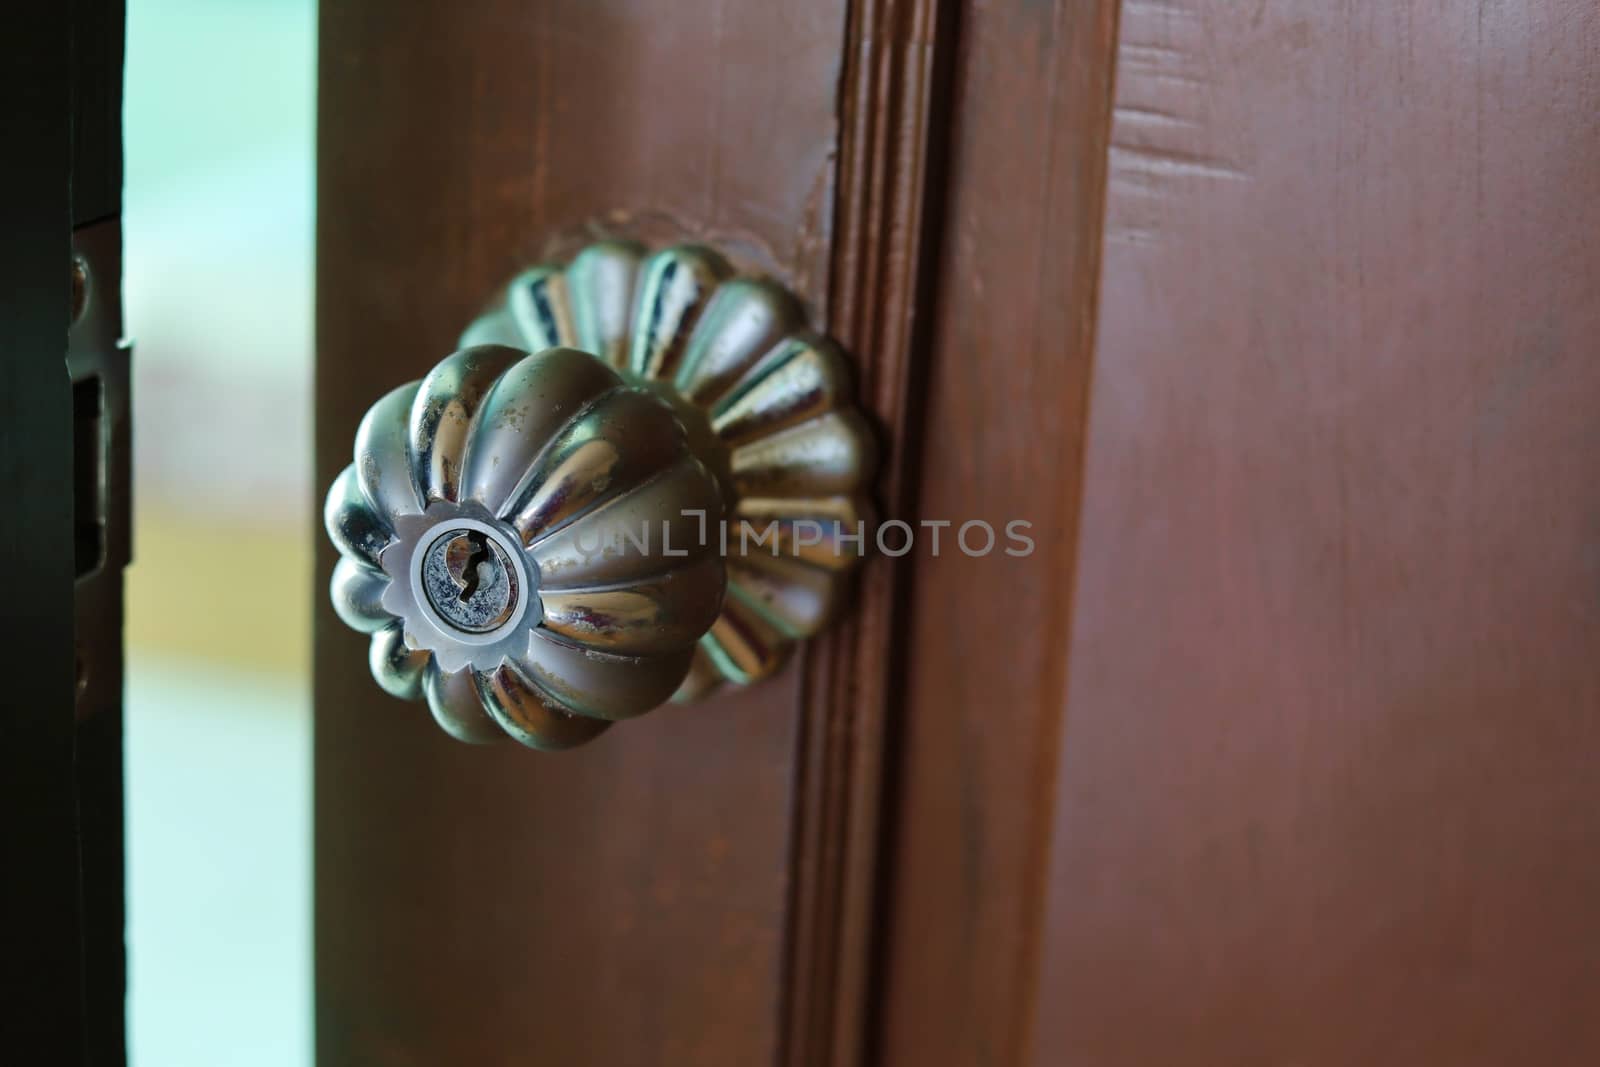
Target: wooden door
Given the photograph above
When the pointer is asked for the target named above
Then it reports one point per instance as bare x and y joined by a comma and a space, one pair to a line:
1336, 625
1275, 319
699, 891
1283, 751
64, 469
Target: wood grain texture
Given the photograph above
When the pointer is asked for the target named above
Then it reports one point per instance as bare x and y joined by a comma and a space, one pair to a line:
1328, 789
1013, 320
625, 903
893, 133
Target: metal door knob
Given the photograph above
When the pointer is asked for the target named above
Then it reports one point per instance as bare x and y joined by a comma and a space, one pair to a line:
641, 477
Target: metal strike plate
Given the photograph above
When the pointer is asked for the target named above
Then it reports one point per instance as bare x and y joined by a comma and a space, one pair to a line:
641, 477
98, 359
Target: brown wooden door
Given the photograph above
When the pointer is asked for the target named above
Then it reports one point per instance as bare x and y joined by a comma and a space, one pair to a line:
1277, 320
648, 900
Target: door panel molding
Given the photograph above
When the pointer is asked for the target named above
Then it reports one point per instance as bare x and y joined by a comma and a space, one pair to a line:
893, 106
1013, 319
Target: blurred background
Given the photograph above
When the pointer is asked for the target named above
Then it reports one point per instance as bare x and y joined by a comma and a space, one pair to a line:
220, 109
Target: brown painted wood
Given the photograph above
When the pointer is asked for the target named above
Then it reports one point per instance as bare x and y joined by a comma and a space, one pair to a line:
1315, 784
688, 889
1013, 316
1327, 788
894, 100
1275, 749
623, 903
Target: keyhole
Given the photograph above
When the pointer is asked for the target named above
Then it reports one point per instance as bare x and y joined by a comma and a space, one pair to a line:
478, 555
470, 579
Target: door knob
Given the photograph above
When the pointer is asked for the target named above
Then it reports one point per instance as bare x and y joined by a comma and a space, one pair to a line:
639, 478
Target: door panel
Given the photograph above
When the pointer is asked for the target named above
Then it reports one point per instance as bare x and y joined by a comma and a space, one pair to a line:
1327, 791
623, 903
1273, 320
632, 901
1012, 329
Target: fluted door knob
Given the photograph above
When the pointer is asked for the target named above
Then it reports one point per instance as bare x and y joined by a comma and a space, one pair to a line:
639, 478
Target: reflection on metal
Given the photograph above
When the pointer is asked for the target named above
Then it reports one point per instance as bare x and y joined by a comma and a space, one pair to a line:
640, 478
